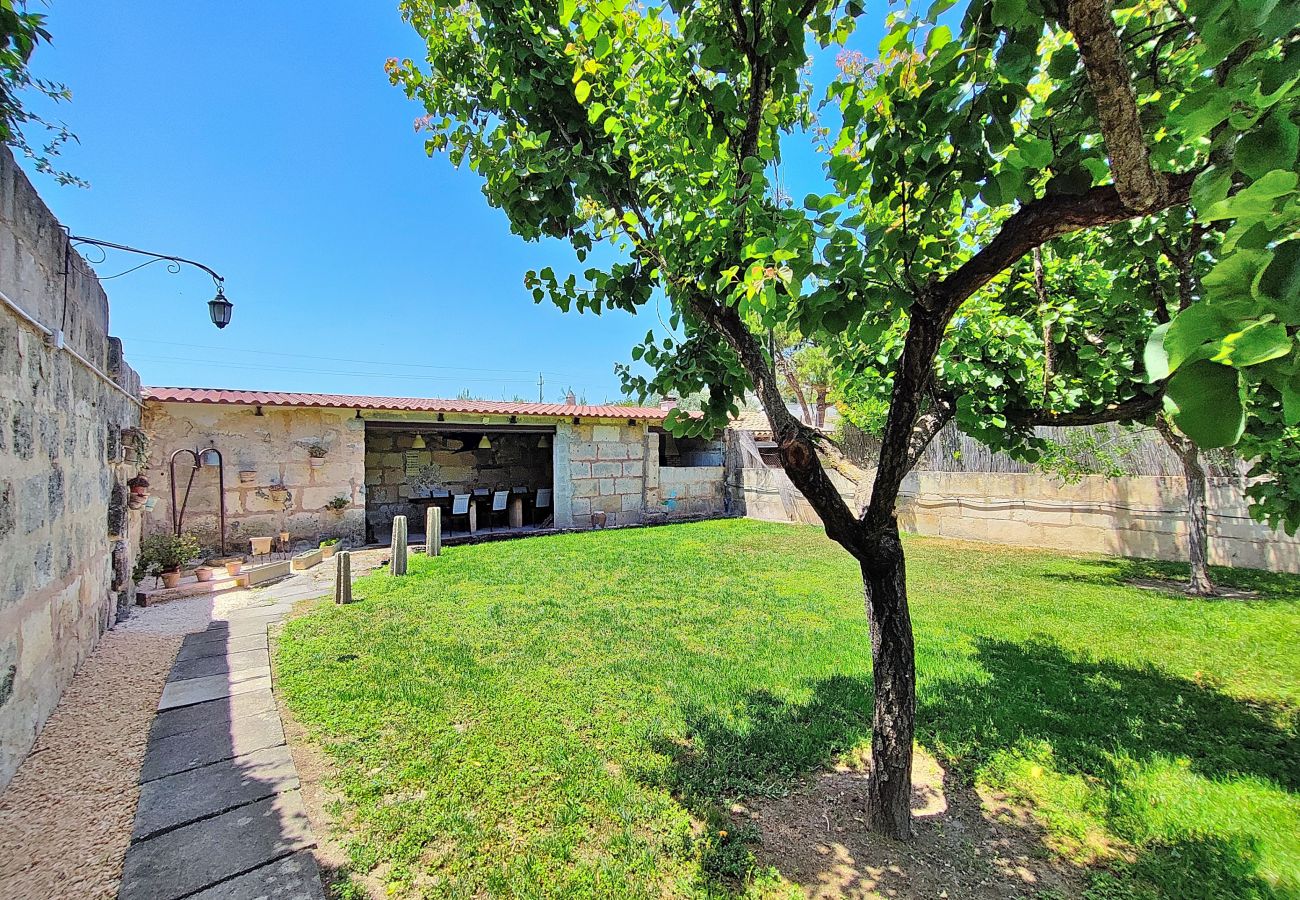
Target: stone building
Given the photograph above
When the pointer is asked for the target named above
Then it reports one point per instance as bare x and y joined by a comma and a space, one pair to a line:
328, 465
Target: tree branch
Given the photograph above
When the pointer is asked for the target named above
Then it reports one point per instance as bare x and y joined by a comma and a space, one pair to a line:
1036, 223
1128, 410
1140, 187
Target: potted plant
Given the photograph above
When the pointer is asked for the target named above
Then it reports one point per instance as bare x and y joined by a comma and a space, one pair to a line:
317, 454
328, 547
338, 504
139, 486
233, 566
246, 476
279, 493
166, 553
204, 573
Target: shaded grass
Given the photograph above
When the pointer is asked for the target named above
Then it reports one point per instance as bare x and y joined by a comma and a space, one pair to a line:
566, 716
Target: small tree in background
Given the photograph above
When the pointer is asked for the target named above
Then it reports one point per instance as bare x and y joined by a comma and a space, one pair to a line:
654, 128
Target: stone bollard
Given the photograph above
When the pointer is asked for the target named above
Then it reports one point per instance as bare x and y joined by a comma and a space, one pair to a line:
397, 560
433, 531
343, 577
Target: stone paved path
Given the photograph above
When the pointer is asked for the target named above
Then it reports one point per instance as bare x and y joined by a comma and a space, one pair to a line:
220, 815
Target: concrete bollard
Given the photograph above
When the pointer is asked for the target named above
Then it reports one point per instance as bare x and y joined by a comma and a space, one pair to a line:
433, 531
397, 556
343, 577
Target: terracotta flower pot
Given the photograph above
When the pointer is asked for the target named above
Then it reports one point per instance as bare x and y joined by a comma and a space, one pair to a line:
246, 476
260, 545
171, 579
136, 501
233, 568
279, 494
317, 462
204, 573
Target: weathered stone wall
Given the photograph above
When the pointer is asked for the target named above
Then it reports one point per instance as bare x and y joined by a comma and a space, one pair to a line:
601, 468
691, 492
270, 482
67, 540
451, 462
1141, 515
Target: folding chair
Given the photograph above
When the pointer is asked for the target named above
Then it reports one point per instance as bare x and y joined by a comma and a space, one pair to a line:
500, 500
459, 507
542, 504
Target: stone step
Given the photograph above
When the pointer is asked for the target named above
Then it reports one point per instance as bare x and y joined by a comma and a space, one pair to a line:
193, 588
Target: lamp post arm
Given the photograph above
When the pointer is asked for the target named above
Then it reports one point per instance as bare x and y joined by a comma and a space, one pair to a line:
76, 239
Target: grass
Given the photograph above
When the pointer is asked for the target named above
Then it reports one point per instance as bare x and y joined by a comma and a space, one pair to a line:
569, 716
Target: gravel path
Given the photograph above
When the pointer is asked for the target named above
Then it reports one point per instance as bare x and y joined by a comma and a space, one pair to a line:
65, 818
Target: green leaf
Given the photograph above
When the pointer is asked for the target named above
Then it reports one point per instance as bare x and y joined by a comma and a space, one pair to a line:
1258, 342
1271, 145
1254, 200
582, 91
938, 37
567, 9
1191, 330
1207, 398
629, 218
1233, 275
752, 164
1279, 282
1155, 355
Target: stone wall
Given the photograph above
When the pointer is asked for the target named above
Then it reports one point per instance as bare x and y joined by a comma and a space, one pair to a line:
601, 469
450, 461
67, 448
692, 492
270, 482
1141, 515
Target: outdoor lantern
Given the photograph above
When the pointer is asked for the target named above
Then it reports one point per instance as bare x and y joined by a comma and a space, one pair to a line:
219, 308
418, 443
543, 443
484, 443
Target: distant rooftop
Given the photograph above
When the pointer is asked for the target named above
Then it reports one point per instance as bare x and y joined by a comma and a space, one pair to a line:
398, 404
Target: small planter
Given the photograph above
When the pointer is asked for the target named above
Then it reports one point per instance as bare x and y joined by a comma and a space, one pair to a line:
204, 573
136, 501
261, 545
233, 568
171, 579
317, 462
327, 551
306, 560
246, 476
278, 494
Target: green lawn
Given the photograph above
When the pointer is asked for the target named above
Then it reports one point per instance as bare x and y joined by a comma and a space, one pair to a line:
556, 717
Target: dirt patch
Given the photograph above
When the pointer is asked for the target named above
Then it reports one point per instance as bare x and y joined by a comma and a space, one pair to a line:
66, 816
1221, 592
966, 847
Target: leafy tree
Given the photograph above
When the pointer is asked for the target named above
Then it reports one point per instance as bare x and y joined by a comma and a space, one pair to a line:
20, 33
654, 128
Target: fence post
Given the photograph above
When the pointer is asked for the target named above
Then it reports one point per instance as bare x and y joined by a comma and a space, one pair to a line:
343, 577
397, 557
433, 531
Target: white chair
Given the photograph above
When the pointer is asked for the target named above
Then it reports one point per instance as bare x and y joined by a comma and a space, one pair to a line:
459, 507
542, 503
500, 499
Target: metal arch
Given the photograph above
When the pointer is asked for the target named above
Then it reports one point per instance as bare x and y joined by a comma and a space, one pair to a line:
178, 513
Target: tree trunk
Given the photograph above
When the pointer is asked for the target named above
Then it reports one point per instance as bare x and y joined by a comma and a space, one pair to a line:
893, 663
1198, 524
821, 408
1198, 518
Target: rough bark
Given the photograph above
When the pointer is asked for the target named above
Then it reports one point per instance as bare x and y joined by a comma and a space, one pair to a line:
893, 666
1198, 516
1040, 288
820, 422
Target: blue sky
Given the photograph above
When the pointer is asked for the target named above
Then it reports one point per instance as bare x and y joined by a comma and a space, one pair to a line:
267, 143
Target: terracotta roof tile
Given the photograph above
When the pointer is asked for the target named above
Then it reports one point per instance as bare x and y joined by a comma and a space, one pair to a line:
405, 404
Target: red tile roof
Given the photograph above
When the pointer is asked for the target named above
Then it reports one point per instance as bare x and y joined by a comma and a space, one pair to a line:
406, 404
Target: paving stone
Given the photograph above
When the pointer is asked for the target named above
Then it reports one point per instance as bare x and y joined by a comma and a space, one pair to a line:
179, 863
214, 712
211, 687
261, 611
202, 644
295, 877
185, 797
219, 628
217, 665
203, 746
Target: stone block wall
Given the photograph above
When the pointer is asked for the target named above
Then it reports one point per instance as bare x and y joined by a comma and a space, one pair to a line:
270, 482
692, 492
1140, 515
453, 462
601, 468
67, 539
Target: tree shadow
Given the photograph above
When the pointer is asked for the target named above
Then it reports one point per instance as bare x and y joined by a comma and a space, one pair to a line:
1124, 571
1090, 713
